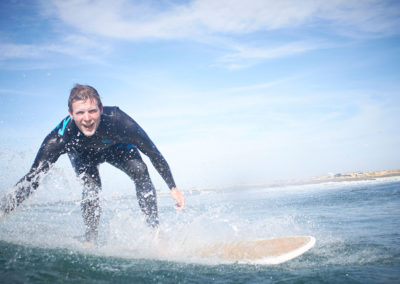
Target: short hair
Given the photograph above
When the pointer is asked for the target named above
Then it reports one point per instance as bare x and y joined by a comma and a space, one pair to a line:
82, 93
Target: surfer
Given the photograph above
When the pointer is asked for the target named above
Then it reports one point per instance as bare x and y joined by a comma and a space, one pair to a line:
91, 135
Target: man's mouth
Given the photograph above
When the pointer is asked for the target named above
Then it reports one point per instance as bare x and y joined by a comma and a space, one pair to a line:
88, 127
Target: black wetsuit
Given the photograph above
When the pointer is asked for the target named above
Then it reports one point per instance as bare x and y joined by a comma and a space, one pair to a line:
116, 141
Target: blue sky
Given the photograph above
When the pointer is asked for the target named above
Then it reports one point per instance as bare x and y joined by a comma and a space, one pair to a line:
230, 91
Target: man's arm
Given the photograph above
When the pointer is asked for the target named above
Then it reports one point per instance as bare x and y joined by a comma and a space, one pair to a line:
50, 150
138, 137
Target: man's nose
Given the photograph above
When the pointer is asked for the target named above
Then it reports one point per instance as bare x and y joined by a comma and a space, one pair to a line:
86, 116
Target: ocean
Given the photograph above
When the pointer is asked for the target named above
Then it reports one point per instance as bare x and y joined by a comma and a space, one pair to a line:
356, 225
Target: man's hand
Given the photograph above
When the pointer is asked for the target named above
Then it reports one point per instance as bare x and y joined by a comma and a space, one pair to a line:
179, 198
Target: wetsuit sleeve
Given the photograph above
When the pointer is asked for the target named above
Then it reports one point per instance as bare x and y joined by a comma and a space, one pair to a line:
50, 150
133, 133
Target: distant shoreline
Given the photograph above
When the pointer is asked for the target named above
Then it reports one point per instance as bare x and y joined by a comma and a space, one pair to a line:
339, 177
358, 176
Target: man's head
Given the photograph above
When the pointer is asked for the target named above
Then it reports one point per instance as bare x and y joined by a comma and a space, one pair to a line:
85, 108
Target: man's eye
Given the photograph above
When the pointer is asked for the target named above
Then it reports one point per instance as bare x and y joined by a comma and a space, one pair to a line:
93, 111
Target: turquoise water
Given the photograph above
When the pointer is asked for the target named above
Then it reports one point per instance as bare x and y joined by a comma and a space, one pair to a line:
356, 225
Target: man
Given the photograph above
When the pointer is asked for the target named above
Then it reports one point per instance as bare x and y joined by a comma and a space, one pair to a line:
92, 135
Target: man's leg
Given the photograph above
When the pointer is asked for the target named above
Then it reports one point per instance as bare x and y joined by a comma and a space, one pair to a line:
90, 205
127, 158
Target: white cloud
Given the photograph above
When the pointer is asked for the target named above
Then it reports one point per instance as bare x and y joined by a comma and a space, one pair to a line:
371, 18
245, 56
10, 50
78, 46
226, 101
83, 47
223, 23
138, 19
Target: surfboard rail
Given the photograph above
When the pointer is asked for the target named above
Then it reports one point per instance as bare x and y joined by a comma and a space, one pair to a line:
265, 251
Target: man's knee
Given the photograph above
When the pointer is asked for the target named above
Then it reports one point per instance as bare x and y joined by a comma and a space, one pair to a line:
137, 169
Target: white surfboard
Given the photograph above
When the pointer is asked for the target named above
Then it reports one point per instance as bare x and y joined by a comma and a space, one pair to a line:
267, 251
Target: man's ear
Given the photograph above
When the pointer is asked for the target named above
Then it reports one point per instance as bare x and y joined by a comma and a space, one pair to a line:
70, 114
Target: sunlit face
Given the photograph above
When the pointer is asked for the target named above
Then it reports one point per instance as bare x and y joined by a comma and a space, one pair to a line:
86, 114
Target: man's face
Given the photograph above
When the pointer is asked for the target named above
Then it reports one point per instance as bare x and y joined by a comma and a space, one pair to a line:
86, 115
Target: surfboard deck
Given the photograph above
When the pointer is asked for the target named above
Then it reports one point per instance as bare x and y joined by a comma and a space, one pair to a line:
267, 251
